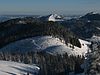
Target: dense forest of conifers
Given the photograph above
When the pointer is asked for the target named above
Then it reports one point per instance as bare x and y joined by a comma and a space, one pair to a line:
93, 61
11, 31
49, 64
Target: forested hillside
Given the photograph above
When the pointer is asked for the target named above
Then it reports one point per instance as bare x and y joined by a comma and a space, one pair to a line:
15, 29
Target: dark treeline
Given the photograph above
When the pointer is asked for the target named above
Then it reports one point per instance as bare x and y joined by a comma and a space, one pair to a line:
49, 64
12, 30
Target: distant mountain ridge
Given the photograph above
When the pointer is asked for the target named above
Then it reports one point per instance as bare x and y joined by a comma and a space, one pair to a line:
85, 26
91, 16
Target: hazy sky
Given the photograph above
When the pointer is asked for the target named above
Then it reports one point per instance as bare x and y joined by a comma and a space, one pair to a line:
48, 6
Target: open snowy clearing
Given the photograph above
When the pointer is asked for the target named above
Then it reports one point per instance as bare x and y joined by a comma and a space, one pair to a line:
48, 44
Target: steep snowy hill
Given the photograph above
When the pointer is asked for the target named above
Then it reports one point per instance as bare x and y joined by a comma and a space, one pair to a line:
14, 68
48, 44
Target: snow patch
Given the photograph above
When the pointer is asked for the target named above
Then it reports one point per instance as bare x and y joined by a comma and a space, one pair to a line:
14, 68
95, 38
55, 17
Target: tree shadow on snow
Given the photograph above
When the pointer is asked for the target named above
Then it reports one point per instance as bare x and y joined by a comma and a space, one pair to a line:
8, 72
26, 70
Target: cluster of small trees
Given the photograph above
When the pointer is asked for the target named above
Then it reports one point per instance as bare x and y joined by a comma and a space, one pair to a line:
49, 64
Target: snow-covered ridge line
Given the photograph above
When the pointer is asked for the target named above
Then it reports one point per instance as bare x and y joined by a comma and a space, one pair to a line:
48, 44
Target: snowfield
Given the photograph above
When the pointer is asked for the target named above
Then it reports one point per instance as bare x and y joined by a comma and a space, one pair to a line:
14, 68
48, 44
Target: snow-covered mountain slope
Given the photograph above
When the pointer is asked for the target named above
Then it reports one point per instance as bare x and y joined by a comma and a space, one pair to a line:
55, 17
14, 68
48, 44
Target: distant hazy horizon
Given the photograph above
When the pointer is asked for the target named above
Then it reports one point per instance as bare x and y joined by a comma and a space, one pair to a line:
43, 7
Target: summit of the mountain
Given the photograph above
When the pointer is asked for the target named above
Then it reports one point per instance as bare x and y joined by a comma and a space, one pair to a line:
55, 17
52, 17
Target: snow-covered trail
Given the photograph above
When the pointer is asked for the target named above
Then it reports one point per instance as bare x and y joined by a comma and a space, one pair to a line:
38, 47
